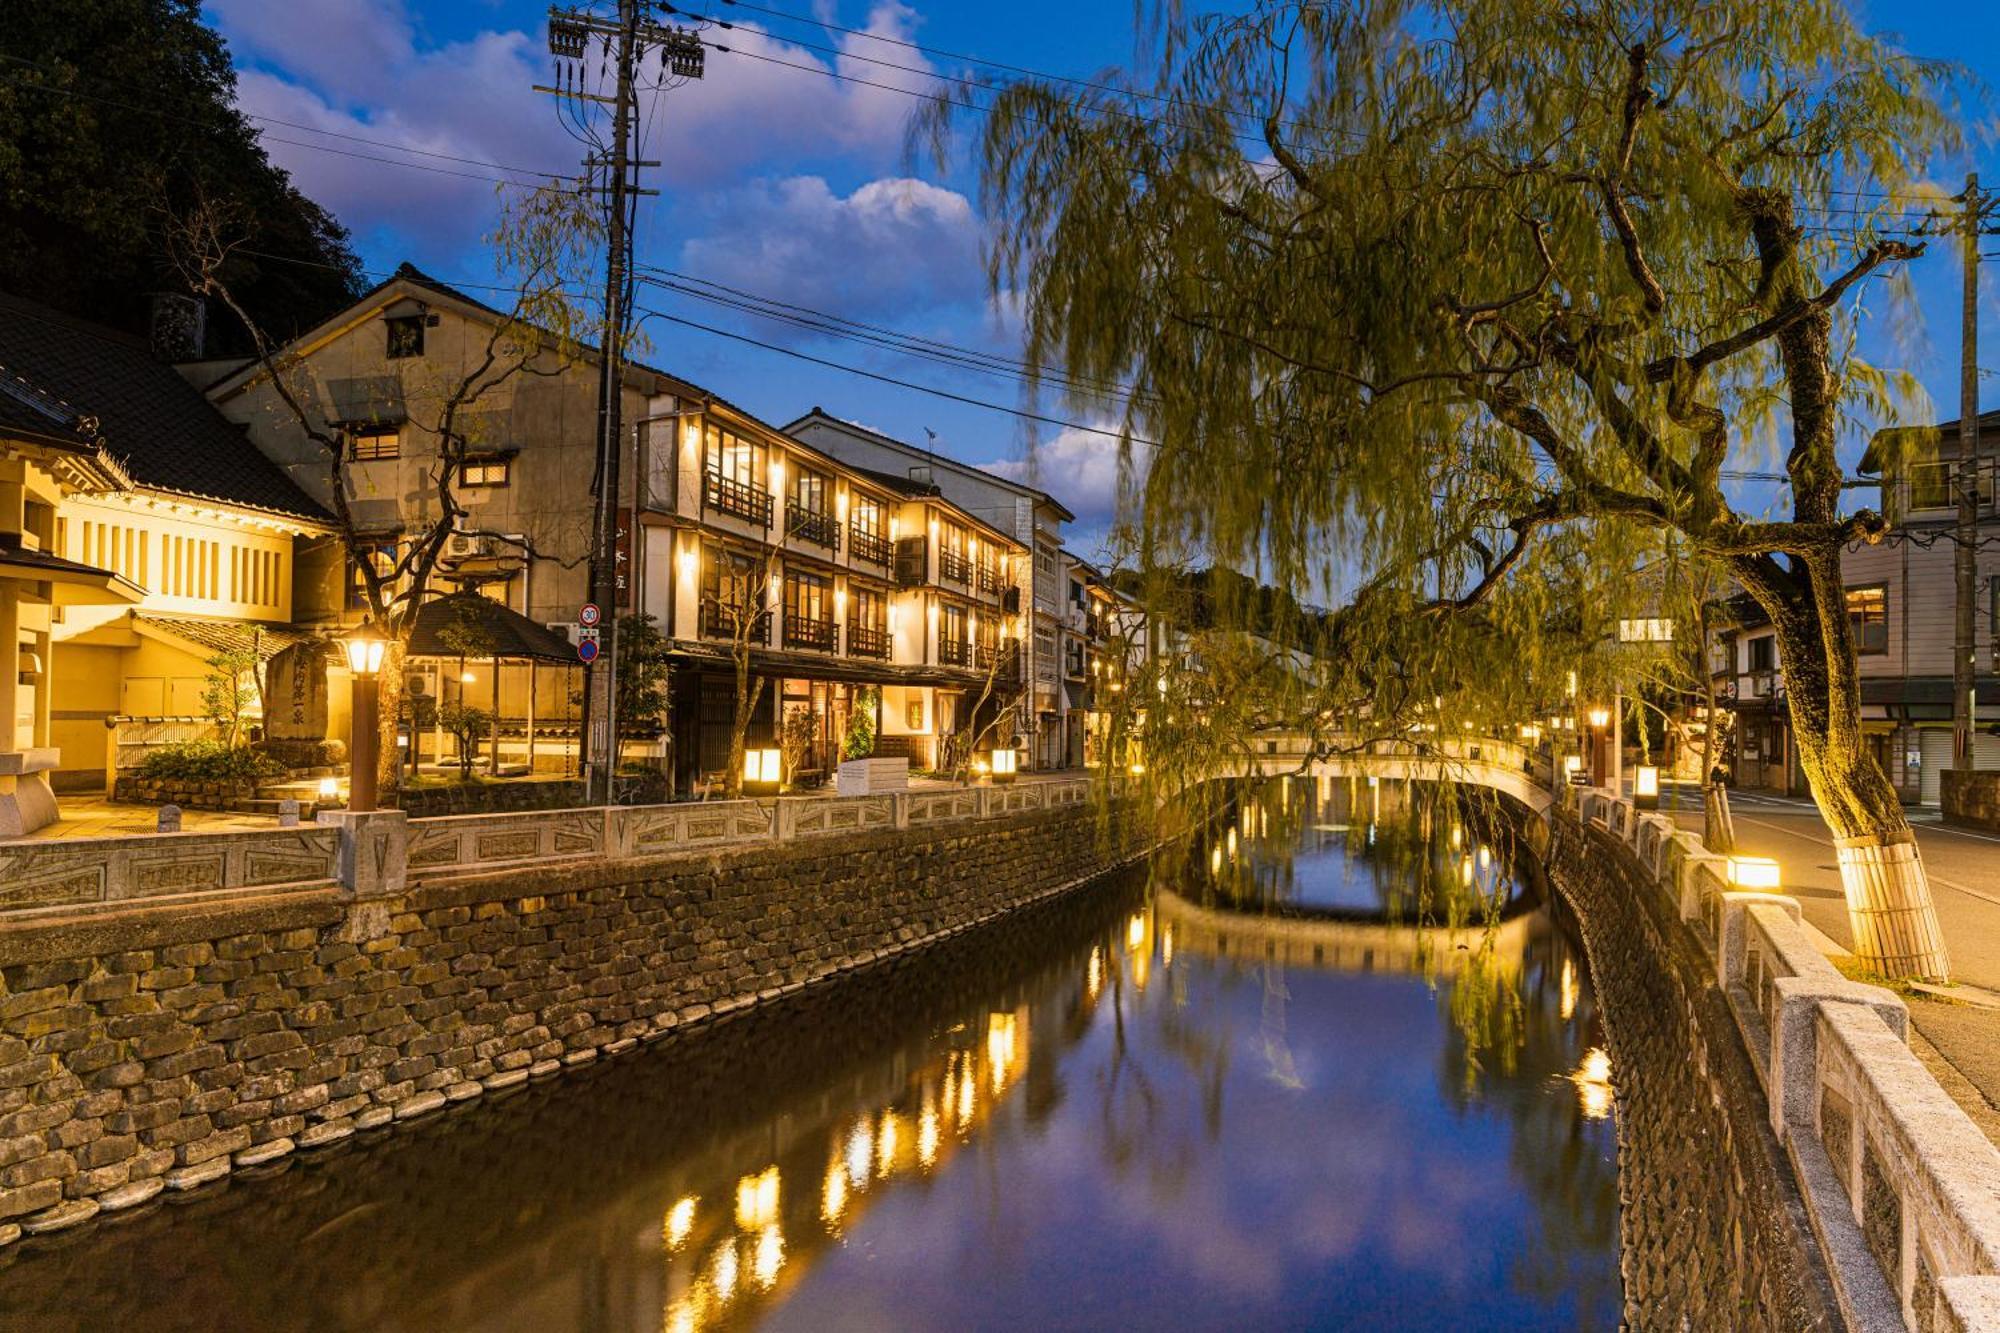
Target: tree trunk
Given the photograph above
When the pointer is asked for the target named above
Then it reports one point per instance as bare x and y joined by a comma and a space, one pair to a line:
389, 690
1889, 908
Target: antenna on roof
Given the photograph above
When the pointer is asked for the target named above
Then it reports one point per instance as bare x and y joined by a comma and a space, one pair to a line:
926, 474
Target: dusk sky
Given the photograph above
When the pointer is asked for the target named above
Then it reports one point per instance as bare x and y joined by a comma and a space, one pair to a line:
792, 184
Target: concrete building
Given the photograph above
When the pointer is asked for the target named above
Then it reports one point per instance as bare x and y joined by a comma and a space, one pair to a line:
1031, 517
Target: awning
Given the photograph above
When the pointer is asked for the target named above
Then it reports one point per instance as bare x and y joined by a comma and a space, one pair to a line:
225, 636
500, 632
72, 583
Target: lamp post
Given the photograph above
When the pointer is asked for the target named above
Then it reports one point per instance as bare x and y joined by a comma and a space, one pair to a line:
1599, 717
365, 648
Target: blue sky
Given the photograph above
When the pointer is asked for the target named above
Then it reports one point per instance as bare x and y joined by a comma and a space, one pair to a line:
793, 184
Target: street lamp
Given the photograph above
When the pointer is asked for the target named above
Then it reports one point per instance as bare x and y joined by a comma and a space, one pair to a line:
1646, 787
365, 648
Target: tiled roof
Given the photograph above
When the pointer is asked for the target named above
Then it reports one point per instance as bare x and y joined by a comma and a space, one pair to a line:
506, 632
168, 436
228, 636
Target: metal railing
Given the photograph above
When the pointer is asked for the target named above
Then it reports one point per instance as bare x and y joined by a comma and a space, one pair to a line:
865, 642
953, 565
737, 499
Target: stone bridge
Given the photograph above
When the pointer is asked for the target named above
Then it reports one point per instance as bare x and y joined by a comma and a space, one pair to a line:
1503, 766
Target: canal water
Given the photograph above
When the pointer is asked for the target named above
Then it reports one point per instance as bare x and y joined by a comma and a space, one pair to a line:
1331, 1065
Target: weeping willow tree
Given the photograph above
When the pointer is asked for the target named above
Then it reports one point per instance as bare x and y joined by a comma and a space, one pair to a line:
1417, 299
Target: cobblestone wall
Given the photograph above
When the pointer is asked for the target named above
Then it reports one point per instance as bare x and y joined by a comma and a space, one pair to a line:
160, 1048
1713, 1232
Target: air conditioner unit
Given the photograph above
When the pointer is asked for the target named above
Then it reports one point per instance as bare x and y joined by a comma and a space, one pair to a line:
565, 629
462, 545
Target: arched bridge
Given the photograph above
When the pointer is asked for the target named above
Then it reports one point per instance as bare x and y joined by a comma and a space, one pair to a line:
1504, 766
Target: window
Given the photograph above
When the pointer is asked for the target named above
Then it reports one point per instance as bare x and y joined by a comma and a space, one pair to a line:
732, 594
809, 491
1045, 653
864, 531
486, 472
808, 611
381, 554
868, 624
735, 459
371, 444
952, 563
1762, 654
867, 515
953, 647
1868, 614
406, 336
1045, 561
1935, 485
807, 512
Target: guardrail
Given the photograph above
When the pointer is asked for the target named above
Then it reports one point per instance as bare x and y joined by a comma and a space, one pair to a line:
1902, 1188
71, 873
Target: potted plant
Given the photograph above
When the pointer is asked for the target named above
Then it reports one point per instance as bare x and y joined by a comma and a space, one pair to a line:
861, 773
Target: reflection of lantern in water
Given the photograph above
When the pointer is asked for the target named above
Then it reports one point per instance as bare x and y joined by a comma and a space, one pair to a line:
1230, 844
1570, 990
1094, 975
927, 1134
833, 1201
757, 1199
1167, 947
722, 1273
1135, 932
1485, 856
1000, 1035
860, 1149
967, 1090
1593, 1084
680, 1220
770, 1256
1215, 860
885, 1146
1465, 871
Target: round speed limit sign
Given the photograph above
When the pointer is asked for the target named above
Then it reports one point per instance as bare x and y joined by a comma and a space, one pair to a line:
589, 615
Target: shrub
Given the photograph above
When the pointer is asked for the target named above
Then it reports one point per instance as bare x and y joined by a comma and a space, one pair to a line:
208, 761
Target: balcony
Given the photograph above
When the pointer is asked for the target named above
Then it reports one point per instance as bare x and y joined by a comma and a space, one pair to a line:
864, 642
818, 635
989, 579
736, 499
954, 652
811, 525
870, 546
953, 565
720, 621
1009, 658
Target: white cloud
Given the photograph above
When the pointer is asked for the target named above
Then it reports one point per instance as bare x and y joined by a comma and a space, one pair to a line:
361, 67
891, 246
1081, 468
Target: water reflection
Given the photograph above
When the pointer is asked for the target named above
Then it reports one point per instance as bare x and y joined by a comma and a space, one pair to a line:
1199, 1100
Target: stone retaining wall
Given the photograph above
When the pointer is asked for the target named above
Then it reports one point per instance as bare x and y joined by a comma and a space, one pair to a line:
159, 1048
1897, 1187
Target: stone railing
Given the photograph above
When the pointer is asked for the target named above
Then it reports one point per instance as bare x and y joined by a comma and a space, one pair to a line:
1902, 1188
73, 873
375, 854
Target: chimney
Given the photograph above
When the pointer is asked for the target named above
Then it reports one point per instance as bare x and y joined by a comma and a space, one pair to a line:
179, 326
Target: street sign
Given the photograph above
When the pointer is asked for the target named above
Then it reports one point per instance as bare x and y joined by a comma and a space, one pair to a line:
589, 615
586, 645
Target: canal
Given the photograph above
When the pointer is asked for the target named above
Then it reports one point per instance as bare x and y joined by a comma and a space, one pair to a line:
1333, 1064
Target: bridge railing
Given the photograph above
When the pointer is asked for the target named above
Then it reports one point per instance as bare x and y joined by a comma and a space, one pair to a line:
1902, 1186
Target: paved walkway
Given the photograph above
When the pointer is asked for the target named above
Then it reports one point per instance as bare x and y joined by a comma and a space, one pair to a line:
95, 817
1960, 1041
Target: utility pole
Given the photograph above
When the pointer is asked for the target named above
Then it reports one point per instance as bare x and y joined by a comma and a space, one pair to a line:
1971, 223
613, 172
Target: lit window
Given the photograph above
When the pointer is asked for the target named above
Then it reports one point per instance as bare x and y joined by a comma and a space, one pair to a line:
486, 472
1868, 613
369, 446
406, 336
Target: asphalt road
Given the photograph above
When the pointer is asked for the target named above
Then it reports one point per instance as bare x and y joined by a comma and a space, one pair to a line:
1964, 871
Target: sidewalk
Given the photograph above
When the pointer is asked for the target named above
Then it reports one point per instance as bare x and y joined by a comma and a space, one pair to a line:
1958, 1041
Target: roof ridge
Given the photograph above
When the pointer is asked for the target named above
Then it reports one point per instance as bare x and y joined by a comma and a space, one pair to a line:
37, 399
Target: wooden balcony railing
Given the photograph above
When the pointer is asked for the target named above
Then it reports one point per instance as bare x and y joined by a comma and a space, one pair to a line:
865, 642
989, 579
815, 634
954, 652
720, 620
953, 565
811, 525
737, 499
870, 546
